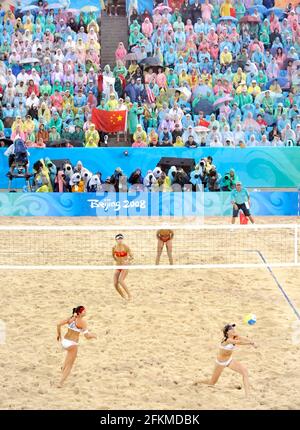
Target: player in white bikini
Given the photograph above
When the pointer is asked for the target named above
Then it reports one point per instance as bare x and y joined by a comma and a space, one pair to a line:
224, 358
76, 325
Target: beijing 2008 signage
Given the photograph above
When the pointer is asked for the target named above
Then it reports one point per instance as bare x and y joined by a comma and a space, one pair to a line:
146, 204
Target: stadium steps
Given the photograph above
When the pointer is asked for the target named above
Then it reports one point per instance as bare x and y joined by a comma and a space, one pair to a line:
114, 29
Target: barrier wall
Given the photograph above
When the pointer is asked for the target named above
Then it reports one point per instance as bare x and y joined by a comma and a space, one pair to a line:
143, 204
256, 167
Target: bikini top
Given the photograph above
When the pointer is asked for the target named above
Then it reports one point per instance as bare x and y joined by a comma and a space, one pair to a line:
73, 326
120, 253
228, 347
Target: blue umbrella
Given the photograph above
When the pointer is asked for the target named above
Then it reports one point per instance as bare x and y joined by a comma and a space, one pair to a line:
283, 82
30, 7
277, 11
205, 106
227, 18
202, 90
25, 3
260, 9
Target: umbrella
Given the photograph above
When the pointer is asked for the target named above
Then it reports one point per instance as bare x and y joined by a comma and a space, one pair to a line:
151, 61
227, 18
89, 9
154, 68
283, 82
55, 6
26, 3
270, 120
248, 19
73, 10
130, 57
202, 90
286, 62
260, 9
30, 7
8, 3
259, 98
205, 106
201, 129
222, 100
162, 7
185, 92
29, 60
277, 11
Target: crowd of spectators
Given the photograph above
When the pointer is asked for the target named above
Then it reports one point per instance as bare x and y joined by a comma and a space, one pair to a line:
215, 73
203, 74
49, 70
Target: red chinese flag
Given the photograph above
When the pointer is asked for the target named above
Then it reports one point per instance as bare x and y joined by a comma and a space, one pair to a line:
232, 12
204, 123
109, 121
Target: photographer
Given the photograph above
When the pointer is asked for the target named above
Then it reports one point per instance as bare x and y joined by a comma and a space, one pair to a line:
197, 177
117, 179
180, 181
214, 180
136, 178
41, 179
229, 181
150, 181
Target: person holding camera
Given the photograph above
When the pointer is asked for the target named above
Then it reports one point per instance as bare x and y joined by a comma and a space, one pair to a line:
214, 180
136, 179
229, 181
240, 200
116, 179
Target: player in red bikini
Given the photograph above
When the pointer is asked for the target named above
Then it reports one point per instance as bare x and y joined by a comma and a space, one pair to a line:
164, 237
123, 256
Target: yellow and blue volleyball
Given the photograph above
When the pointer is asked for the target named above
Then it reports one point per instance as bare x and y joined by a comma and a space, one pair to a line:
249, 319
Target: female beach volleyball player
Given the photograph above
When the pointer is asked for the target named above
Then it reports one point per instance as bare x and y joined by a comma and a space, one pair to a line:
164, 237
224, 357
123, 256
76, 325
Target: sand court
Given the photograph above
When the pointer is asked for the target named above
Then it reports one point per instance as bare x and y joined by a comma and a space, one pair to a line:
151, 350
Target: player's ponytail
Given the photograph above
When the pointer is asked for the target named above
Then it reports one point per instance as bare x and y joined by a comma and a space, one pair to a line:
78, 310
226, 330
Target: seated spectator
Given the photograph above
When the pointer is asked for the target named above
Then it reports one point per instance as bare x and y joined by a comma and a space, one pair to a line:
177, 132
92, 136
165, 137
139, 142
77, 138
140, 133
191, 143
54, 136
152, 138
42, 133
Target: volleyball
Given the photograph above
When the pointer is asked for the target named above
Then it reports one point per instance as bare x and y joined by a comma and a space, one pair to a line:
250, 319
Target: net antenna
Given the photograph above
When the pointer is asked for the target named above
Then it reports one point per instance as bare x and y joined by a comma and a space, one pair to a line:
194, 246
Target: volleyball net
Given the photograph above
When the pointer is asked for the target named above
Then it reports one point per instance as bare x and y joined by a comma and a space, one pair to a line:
193, 246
